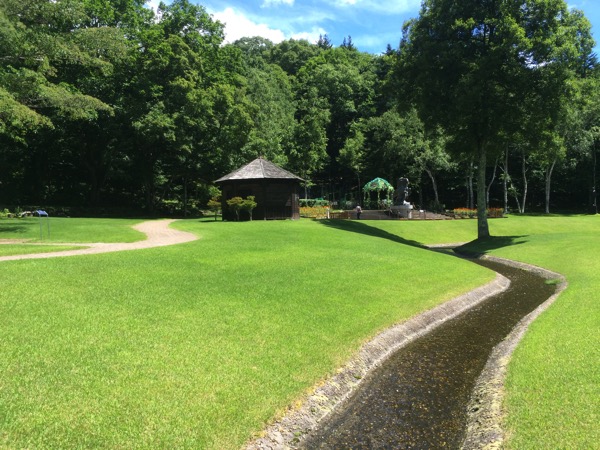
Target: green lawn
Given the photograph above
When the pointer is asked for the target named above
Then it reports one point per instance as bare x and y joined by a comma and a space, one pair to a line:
62, 229
198, 345
21, 249
553, 384
554, 378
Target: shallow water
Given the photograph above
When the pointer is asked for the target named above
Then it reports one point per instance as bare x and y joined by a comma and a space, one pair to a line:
418, 398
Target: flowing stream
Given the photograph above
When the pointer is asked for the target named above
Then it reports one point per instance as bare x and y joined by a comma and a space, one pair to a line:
418, 397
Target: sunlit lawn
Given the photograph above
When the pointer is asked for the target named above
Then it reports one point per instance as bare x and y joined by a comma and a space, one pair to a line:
20, 249
553, 398
198, 345
63, 229
554, 378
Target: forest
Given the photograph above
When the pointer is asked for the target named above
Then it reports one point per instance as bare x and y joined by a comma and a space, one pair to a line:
109, 107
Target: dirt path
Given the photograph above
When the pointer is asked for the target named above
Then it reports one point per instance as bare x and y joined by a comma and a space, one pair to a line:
157, 231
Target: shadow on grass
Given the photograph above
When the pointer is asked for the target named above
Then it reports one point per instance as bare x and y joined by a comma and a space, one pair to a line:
483, 246
13, 228
360, 227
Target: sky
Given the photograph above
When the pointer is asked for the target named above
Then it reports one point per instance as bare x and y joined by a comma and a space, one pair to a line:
372, 24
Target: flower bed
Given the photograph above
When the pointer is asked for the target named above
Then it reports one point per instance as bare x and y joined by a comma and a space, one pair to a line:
321, 212
314, 212
467, 213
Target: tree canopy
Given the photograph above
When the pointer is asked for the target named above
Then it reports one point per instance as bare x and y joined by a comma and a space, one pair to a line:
484, 70
108, 104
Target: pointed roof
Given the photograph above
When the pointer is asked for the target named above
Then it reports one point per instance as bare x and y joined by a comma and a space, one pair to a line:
378, 184
259, 169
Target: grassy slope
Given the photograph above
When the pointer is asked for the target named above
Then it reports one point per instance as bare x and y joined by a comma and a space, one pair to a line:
554, 378
198, 345
119, 327
70, 230
20, 249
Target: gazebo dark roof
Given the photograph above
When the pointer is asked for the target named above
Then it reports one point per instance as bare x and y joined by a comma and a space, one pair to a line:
259, 169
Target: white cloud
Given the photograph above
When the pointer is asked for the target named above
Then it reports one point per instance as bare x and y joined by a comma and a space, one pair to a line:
237, 26
389, 7
378, 41
277, 2
310, 36
152, 4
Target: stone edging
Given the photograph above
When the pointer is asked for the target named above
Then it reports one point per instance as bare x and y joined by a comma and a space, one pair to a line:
485, 410
298, 423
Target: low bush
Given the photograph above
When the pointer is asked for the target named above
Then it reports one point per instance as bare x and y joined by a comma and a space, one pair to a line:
310, 202
472, 213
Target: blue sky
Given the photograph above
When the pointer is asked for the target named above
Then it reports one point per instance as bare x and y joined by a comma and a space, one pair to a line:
371, 23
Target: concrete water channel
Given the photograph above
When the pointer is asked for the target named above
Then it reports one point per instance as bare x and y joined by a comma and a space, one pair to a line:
418, 397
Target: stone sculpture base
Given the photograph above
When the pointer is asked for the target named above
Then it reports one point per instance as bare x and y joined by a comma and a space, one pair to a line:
403, 211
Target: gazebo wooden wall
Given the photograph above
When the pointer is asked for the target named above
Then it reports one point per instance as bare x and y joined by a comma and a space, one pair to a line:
276, 191
276, 199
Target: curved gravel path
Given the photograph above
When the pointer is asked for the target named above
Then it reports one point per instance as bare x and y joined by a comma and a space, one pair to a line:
157, 232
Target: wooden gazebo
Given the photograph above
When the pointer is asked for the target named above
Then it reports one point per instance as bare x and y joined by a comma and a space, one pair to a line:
276, 190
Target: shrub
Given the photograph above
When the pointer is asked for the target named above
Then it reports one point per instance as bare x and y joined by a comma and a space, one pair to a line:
214, 204
248, 205
310, 202
237, 204
472, 213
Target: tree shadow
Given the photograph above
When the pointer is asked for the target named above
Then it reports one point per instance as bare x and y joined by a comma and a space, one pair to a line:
13, 228
483, 246
360, 227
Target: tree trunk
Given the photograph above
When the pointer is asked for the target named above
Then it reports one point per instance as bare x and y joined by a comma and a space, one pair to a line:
470, 196
359, 190
505, 181
483, 230
549, 171
435, 188
593, 200
185, 197
518, 203
489, 186
524, 173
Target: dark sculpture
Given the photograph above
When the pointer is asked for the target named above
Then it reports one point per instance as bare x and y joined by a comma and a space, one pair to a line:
403, 191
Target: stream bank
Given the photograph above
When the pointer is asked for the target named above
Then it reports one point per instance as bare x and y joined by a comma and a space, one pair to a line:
419, 397
336, 414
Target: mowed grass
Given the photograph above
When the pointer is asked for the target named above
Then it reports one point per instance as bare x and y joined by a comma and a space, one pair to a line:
200, 344
22, 249
72, 230
553, 385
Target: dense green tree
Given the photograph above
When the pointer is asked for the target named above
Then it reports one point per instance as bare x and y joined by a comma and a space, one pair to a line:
478, 68
273, 108
189, 115
343, 80
255, 50
292, 54
104, 102
583, 133
324, 42
308, 155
